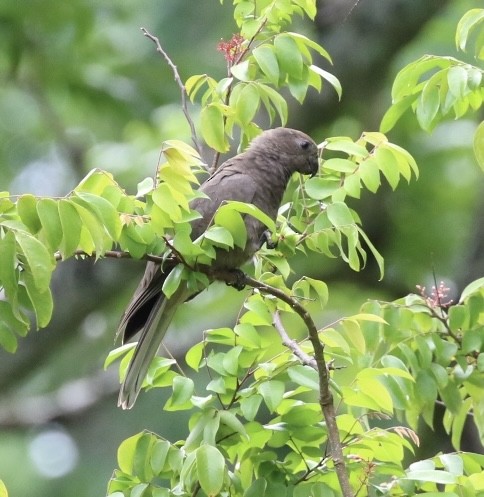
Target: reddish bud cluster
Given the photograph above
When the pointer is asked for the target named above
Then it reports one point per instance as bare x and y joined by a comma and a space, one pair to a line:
437, 297
232, 48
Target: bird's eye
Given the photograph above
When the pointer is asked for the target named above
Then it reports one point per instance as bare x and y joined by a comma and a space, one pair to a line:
305, 144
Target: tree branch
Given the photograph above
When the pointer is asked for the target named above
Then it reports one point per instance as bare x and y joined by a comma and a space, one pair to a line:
325, 396
180, 84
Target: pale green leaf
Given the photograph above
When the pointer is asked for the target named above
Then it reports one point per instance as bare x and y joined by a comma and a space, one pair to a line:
71, 228
330, 78
210, 469
267, 61
212, 126
36, 258
467, 23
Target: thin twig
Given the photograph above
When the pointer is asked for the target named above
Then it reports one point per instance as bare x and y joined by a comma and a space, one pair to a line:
180, 84
291, 344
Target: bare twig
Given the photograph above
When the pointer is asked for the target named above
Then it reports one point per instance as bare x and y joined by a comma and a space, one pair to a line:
291, 344
180, 84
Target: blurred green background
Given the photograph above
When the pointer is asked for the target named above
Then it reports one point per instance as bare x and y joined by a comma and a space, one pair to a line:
81, 88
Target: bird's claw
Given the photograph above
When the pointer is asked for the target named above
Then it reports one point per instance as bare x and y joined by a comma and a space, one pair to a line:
237, 279
267, 239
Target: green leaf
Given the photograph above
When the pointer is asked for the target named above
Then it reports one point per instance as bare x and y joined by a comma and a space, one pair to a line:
232, 220
210, 469
173, 280
467, 23
104, 211
220, 236
471, 288
457, 79
428, 105
41, 300
479, 145
339, 215
3, 489
396, 111
48, 212
340, 165
370, 174
267, 61
302, 40
321, 188
330, 78
229, 419
304, 376
253, 211
288, 55
71, 228
9, 324
39, 262
247, 104
8, 266
182, 391
241, 71
347, 145
271, 98
272, 392
93, 227
212, 126
257, 488
194, 355
27, 210
429, 475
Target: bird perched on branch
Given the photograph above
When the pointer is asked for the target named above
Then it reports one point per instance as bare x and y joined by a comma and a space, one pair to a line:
258, 176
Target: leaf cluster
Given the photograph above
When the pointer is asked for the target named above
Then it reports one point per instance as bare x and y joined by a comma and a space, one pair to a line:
270, 59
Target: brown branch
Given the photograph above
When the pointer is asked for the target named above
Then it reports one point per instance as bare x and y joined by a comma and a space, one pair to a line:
113, 254
180, 84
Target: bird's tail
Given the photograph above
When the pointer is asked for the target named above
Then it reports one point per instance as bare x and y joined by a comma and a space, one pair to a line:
150, 339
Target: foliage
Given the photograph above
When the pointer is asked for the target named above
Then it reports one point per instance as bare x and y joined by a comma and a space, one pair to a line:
261, 425
435, 87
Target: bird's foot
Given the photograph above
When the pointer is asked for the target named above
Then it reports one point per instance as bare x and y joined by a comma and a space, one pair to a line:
237, 279
267, 239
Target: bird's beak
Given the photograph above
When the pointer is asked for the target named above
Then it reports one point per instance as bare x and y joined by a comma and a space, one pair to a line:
313, 166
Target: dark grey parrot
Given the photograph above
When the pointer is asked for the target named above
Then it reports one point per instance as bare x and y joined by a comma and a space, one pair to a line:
258, 176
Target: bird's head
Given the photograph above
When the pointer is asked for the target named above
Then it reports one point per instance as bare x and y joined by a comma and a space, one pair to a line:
295, 150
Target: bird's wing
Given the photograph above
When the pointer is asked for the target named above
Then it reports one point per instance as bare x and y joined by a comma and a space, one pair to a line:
230, 182
154, 330
144, 297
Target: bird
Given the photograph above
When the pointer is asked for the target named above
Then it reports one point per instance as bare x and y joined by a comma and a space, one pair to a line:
259, 176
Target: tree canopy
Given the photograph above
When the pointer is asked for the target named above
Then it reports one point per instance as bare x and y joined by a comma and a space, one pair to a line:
360, 331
